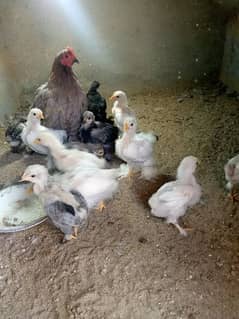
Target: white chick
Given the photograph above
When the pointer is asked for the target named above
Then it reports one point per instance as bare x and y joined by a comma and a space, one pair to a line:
33, 127
137, 149
120, 109
67, 159
172, 199
67, 210
96, 185
231, 170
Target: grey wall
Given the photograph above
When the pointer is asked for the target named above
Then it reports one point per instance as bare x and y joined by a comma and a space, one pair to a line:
230, 66
128, 44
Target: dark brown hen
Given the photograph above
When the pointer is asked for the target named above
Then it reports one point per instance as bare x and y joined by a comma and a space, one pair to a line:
61, 99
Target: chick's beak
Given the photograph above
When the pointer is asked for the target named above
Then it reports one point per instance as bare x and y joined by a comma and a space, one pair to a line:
36, 141
41, 116
112, 98
126, 127
25, 178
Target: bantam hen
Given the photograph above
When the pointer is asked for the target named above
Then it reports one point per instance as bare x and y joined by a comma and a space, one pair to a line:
67, 159
120, 109
173, 199
67, 210
96, 132
61, 98
137, 149
33, 128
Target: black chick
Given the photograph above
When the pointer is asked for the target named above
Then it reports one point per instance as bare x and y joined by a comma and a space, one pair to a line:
97, 104
15, 125
96, 132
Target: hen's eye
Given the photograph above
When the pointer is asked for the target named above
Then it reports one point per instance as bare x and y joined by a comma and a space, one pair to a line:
34, 114
33, 176
66, 55
89, 118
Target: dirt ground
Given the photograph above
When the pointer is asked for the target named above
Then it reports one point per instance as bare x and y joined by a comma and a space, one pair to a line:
128, 264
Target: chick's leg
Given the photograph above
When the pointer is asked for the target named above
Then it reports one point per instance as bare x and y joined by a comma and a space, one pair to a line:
68, 237
131, 174
75, 231
101, 206
180, 229
234, 197
29, 190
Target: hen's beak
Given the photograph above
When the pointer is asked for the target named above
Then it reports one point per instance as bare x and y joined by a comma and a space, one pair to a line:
76, 61
126, 127
112, 98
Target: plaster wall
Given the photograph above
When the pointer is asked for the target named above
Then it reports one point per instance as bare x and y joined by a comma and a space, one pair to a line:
125, 44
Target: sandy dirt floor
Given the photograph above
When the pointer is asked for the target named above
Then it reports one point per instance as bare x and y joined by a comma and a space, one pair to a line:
128, 264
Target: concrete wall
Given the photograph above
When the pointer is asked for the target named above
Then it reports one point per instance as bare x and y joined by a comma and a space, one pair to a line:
128, 44
230, 66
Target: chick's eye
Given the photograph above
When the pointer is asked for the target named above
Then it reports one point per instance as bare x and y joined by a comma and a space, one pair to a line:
89, 118
34, 114
131, 124
117, 96
33, 176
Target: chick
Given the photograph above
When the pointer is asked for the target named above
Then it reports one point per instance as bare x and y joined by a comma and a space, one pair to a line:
67, 210
172, 199
137, 149
96, 103
15, 126
33, 127
231, 170
96, 185
96, 132
120, 109
67, 159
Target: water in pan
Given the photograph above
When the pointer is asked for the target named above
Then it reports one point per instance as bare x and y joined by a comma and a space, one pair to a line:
18, 209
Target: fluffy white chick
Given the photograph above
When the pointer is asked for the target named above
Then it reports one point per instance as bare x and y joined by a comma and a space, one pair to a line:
96, 185
172, 199
67, 159
231, 170
67, 210
137, 149
33, 127
120, 109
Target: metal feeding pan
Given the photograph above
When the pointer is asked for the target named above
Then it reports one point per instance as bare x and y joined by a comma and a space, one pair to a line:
19, 210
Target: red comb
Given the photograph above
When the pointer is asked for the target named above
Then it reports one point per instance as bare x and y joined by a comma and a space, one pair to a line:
70, 49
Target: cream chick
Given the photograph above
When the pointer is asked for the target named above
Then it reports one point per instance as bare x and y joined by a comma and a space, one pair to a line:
173, 199
33, 127
67, 159
120, 109
137, 149
67, 209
